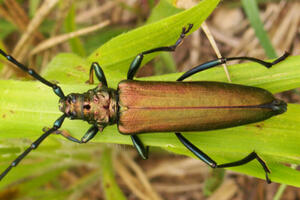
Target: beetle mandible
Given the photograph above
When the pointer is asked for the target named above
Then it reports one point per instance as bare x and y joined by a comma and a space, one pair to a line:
155, 106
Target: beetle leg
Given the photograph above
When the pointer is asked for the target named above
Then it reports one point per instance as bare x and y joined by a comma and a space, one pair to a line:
99, 74
91, 132
139, 146
57, 124
138, 59
216, 62
63, 133
205, 158
253, 155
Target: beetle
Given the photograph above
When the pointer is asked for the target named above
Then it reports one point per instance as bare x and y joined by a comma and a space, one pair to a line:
156, 106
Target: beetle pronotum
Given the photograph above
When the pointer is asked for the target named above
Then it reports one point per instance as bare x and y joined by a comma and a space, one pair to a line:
147, 106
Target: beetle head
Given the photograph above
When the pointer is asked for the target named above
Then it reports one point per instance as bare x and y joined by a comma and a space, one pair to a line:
96, 106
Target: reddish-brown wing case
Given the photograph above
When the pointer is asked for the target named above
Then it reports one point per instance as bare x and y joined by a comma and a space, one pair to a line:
188, 106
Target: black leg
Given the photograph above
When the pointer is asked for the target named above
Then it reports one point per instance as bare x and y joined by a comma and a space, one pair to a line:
138, 59
139, 146
200, 154
247, 159
205, 158
57, 90
34, 145
91, 132
99, 74
220, 61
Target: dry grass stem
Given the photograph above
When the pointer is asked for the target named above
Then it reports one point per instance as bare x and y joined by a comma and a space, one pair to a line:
275, 10
195, 48
224, 37
180, 168
41, 13
94, 12
4, 13
215, 47
54, 41
61, 15
287, 30
177, 188
226, 191
17, 14
23, 44
131, 182
141, 176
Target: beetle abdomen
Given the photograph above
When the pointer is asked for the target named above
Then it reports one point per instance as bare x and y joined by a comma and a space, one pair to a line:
191, 106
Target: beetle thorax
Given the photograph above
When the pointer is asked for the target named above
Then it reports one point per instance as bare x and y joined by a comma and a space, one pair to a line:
96, 106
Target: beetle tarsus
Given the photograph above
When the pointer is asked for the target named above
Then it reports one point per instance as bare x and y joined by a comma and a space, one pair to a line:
135, 64
253, 155
281, 58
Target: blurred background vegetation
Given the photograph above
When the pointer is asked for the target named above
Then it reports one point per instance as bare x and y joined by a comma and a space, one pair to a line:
36, 32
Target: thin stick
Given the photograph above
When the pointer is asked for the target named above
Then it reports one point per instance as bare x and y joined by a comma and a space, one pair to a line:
215, 47
65, 37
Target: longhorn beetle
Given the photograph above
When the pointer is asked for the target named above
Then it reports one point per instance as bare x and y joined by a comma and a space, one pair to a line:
155, 106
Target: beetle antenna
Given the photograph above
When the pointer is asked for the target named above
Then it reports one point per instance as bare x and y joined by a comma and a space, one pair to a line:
57, 90
57, 124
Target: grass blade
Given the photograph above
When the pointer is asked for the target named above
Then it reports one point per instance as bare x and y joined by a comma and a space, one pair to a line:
252, 12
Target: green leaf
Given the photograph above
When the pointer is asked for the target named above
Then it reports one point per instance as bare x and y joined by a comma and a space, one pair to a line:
161, 10
213, 181
70, 26
98, 38
2, 59
109, 184
165, 64
33, 6
117, 54
6, 28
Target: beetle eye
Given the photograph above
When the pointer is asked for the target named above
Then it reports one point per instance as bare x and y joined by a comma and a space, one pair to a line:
71, 99
87, 107
69, 113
